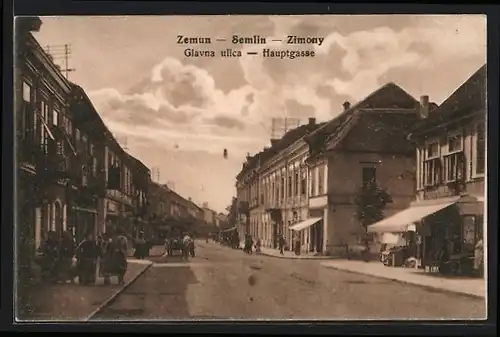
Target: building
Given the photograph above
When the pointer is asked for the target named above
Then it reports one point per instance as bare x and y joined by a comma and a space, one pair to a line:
141, 178
221, 220
271, 189
451, 166
43, 147
87, 131
208, 215
366, 143
158, 201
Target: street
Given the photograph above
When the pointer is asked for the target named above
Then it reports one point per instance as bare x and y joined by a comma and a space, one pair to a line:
221, 283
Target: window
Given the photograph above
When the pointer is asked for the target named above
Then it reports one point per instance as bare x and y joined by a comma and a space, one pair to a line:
55, 117
290, 186
432, 150
60, 148
303, 183
321, 179
282, 189
480, 148
313, 183
28, 119
26, 92
44, 109
454, 166
454, 143
432, 171
297, 182
94, 166
369, 176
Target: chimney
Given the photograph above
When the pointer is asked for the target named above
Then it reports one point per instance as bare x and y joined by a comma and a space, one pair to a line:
312, 121
274, 141
424, 106
346, 105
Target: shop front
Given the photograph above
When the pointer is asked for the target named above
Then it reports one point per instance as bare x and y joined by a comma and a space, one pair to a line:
308, 233
447, 233
27, 221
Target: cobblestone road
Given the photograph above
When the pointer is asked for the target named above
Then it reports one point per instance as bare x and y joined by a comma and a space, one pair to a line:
221, 283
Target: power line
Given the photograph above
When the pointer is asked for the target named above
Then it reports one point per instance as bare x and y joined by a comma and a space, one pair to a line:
58, 52
280, 126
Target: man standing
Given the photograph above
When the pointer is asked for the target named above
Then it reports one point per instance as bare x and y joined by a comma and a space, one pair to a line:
282, 243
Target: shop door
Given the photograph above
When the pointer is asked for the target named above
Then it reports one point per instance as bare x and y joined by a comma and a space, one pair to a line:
58, 219
319, 236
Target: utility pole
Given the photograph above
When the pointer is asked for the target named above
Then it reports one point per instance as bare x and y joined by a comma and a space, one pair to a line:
280, 126
58, 52
155, 172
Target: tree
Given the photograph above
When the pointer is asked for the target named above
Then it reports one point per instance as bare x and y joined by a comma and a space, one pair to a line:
370, 204
232, 212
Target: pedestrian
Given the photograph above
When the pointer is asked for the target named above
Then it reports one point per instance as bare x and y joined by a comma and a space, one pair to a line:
479, 257
258, 244
297, 243
66, 253
87, 253
281, 244
50, 251
121, 255
140, 247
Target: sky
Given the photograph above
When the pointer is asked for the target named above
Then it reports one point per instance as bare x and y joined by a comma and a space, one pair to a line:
178, 114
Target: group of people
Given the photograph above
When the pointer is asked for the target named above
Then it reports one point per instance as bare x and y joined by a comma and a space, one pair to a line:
249, 245
185, 243
110, 250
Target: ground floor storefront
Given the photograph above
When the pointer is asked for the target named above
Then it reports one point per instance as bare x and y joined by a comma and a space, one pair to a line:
447, 234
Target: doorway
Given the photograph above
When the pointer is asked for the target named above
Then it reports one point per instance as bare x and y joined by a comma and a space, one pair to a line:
58, 219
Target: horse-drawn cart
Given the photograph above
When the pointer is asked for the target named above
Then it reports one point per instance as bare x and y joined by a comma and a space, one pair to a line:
174, 245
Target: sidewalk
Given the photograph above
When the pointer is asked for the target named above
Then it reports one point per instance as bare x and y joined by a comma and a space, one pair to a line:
155, 251
291, 255
466, 286
73, 302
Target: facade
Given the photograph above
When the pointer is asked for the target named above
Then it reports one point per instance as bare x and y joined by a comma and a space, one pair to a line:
141, 178
366, 143
44, 149
158, 203
451, 168
87, 131
272, 189
208, 216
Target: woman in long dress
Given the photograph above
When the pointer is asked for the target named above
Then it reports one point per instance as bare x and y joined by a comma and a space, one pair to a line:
87, 253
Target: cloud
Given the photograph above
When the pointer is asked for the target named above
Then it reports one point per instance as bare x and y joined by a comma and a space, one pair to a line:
180, 106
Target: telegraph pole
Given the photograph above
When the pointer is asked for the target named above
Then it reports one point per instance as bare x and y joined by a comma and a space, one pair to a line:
61, 52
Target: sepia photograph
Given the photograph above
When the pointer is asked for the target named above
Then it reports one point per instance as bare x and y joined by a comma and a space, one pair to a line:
250, 167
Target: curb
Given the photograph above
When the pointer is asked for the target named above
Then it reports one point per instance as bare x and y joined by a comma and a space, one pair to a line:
434, 288
298, 258
118, 292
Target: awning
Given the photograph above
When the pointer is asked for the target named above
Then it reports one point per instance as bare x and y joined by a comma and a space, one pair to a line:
304, 224
403, 221
229, 230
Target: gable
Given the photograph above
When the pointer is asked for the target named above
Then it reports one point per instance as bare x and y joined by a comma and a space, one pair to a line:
389, 96
380, 132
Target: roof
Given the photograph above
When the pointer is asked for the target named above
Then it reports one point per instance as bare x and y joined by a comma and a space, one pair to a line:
137, 162
469, 98
335, 130
288, 139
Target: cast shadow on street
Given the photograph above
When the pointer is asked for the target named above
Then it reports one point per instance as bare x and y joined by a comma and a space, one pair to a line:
160, 294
